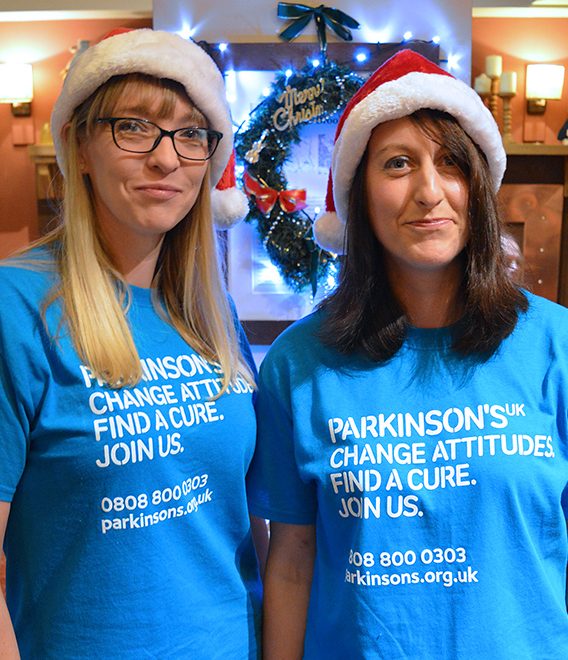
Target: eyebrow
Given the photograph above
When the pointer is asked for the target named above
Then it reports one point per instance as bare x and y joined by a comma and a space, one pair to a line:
132, 110
405, 147
142, 112
396, 146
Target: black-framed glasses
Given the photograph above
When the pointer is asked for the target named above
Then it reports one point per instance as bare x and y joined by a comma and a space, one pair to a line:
140, 136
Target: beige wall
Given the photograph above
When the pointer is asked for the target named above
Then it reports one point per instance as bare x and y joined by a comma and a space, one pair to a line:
77, 5
521, 41
46, 44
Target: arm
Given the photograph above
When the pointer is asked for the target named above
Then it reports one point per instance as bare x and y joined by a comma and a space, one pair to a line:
287, 587
259, 531
8, 645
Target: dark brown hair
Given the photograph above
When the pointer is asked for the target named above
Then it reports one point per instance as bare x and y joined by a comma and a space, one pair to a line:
363, 314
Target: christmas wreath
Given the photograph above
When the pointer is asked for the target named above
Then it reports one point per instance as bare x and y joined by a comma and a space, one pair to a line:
263, 144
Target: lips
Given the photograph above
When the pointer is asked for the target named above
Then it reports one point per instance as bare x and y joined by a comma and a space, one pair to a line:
430, 223
159, 191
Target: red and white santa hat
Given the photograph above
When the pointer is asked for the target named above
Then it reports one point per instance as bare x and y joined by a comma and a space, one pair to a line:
405, 83
163, 55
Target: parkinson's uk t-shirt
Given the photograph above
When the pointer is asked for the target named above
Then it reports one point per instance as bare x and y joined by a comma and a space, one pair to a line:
437, 486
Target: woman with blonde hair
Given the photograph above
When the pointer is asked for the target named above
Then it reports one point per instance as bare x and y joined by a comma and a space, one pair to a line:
126, 391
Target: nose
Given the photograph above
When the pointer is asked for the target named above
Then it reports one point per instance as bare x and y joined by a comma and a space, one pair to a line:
164, 157
429, 186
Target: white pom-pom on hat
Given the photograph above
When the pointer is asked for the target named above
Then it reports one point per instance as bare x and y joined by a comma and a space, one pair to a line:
162, 55
229, 203
405, 83
329, 232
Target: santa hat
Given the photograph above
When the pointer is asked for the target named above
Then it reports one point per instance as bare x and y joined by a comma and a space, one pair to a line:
163, 55
405, 83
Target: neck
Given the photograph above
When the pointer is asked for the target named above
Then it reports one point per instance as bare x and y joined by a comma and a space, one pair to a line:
430, 299
140, 271
137, 263
133, 254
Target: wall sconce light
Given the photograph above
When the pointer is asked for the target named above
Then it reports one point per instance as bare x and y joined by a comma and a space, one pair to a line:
544, 81
16, 87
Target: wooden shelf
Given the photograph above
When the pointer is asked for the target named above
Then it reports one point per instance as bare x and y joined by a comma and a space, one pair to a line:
48, 183
40, 153
532, 149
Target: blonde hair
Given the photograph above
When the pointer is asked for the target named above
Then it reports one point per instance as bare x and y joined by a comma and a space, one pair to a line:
189, 285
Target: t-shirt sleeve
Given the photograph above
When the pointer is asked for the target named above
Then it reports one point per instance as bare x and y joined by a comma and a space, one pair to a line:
243, 340
245, 349
17, 373
13, 434
277, 488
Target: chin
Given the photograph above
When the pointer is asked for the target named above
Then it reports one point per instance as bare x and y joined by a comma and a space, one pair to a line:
159, 227
441, 263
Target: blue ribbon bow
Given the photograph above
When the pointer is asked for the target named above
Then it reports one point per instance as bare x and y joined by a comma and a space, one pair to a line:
301, 15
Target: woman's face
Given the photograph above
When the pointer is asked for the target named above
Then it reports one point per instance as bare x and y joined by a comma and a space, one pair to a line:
417, 200
140, 197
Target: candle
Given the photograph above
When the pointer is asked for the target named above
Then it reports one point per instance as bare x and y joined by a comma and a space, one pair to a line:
482, 84
493, 65
45, 134
508, 82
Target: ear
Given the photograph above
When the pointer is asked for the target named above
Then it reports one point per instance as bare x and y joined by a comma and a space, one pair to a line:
83, 168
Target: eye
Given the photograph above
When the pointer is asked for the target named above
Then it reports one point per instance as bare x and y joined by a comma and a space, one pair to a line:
397, 163
132, 127
447, 160
193, 134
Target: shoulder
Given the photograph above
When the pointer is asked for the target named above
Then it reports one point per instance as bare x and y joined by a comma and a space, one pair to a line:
541, 331
299, 355
300, 340
547, 315
25, 282
31, 271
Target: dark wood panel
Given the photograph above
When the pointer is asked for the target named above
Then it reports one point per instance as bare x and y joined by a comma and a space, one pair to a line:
264, 332
533, 213
534, 169
563, 276
275, 56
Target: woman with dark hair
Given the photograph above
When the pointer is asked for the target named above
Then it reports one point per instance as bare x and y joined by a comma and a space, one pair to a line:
413, 433
126, 381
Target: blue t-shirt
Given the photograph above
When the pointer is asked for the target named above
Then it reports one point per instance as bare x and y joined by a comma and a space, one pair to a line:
437, 485
129, 534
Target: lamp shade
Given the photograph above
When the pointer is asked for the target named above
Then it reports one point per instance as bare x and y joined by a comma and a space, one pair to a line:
544, 81
16, 83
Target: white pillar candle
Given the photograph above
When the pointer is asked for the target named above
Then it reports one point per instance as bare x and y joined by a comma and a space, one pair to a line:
493, 65
482, 84
508, 82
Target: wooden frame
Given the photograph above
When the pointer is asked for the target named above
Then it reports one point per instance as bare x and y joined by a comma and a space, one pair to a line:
274, 56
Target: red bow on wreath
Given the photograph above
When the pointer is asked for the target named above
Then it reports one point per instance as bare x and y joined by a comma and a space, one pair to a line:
265, 197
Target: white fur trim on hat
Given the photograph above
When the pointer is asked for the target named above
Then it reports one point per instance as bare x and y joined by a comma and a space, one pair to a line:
159, 54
